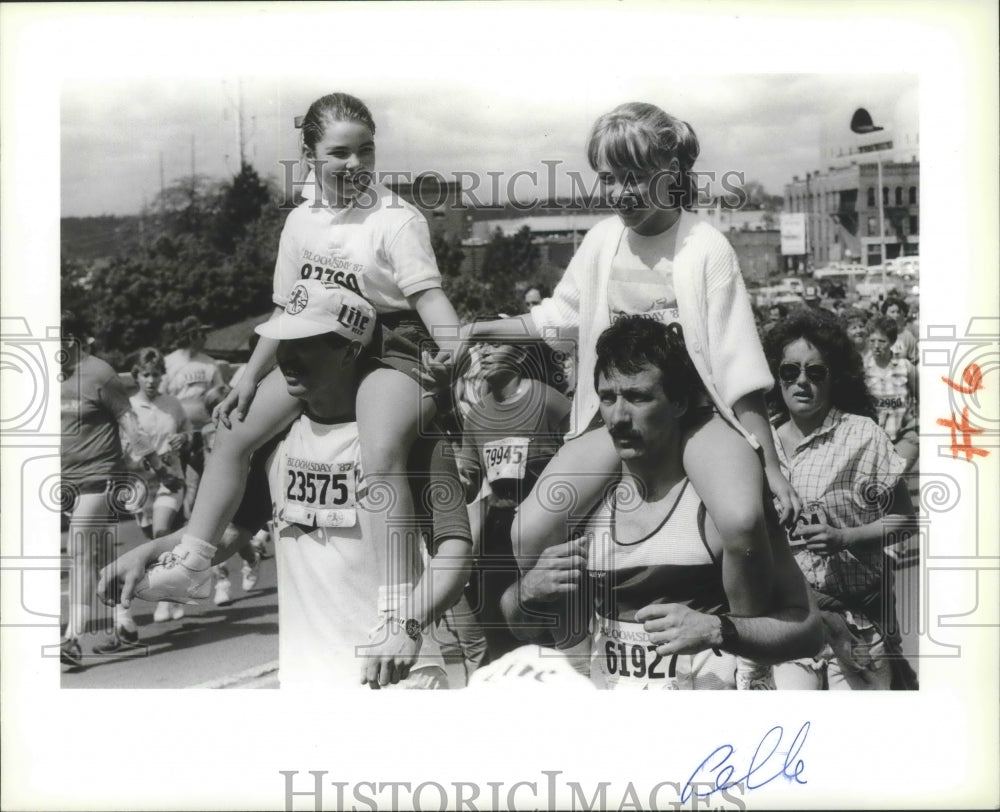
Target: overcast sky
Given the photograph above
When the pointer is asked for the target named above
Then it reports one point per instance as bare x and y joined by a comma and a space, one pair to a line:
115, 130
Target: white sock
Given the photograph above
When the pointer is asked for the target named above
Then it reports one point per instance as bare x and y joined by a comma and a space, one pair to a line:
196, 547
123, 618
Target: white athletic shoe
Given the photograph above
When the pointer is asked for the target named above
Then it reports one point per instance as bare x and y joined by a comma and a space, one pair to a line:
251, 572
223, 592
259, 541
162, 612
172, 579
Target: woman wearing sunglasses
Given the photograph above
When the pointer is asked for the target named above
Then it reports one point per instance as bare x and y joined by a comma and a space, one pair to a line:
847, 473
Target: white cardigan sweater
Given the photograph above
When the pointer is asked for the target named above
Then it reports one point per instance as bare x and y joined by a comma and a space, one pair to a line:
712, 301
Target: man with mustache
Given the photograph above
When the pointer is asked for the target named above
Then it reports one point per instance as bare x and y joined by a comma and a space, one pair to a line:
648, 589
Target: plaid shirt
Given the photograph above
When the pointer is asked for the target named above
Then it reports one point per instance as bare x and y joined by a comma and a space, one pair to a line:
847, 471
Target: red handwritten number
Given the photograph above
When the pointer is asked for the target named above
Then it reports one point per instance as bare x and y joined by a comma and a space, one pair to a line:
972, 375
965, 447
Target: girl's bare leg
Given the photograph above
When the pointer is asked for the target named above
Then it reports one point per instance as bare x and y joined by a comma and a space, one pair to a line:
568, 489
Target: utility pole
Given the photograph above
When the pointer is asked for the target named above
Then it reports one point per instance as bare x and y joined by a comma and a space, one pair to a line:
239, 122
240, 134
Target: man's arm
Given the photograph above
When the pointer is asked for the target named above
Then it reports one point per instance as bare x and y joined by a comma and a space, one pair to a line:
441, 584
792, 629
437, 588
546, 604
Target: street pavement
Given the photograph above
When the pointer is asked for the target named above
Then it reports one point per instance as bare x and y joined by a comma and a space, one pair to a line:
211, 646
236, 646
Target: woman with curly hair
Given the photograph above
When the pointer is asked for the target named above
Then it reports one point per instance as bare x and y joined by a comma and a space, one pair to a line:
848, 475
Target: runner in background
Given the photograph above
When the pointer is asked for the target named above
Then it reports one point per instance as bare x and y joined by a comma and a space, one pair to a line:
509, 435
96, 416
165, 425
893, 384
844, 467
905, 345
189, 375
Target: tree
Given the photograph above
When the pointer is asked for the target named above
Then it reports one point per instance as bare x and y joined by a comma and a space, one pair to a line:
208, 252
492, 288
240, 203
449, 256
188, 205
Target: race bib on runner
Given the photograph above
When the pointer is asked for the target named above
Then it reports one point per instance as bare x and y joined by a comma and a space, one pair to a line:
625, 658
506, 458
320, 494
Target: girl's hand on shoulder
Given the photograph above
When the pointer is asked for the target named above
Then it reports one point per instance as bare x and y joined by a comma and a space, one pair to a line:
234, 406
791, 505
436, 370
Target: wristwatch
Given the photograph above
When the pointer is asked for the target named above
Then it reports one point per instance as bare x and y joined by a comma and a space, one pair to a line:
730, 637
411, 627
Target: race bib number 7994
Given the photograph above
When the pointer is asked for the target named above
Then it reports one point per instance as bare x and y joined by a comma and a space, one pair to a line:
506, 458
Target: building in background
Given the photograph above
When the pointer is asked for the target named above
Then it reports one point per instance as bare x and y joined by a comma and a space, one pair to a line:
754, 235
841, 204
440, 201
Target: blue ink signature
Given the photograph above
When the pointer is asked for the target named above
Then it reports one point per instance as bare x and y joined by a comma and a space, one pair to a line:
717, 765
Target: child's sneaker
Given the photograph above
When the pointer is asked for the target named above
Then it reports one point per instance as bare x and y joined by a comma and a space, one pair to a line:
182, 578
251, 572
121, 639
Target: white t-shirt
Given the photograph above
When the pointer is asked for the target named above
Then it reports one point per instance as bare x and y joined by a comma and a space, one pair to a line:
188, 378
328, 578
642, 277
379, 247
159, 420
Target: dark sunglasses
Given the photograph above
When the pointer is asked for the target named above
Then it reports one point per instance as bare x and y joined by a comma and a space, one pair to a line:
789, 372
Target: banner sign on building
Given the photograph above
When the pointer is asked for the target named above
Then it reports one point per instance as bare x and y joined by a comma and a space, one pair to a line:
793, 233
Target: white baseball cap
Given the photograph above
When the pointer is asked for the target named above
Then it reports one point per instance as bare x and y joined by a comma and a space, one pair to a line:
315, 308
532, 666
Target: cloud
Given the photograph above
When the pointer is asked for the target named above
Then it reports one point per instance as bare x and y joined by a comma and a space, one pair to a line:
769, 126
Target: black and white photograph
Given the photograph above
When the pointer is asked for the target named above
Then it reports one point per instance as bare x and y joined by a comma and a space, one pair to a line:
517, 352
